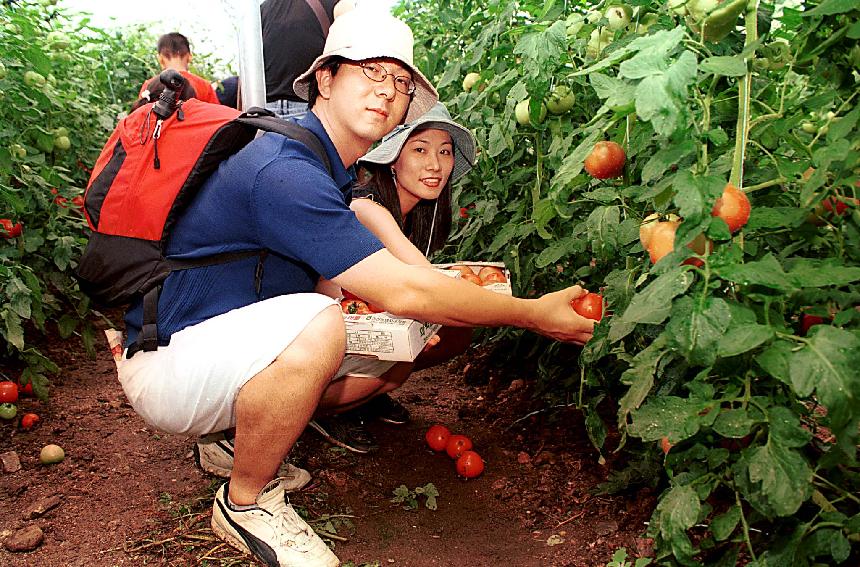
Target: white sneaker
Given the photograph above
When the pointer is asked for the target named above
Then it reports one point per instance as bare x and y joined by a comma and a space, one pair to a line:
214, 454
271, 531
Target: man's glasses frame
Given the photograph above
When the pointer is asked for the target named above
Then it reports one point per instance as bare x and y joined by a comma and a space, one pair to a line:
377, 73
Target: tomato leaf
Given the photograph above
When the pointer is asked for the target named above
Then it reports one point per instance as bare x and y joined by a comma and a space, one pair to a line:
811, 272
724, 65
695, 328
677, 512
766, 272
723, 525
672, 417
14, 331
654, 303
741, 339
640, 377
774, 478
734, 423
665, 158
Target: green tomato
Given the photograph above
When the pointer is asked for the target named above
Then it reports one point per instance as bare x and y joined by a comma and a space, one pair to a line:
574, 24
58, 40
61, 131
522, 112
34, 79
8, 411
597, 42
713, 20
646, 22
560, 100
470, 80
809, 127
62, 143
18, 151
678, 7
618, 17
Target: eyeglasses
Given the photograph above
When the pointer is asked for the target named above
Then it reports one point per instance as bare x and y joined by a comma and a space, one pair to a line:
377, 73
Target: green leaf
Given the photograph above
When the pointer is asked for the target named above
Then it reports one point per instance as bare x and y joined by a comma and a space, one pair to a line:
696, 327
575, 160
830, 7
672, 417
542, 50
640, 378
67, 325
19, 297
677, 512
654, 303
723, 525
734, 423
614, 92
724, 65
500, 141
781, 478
766, 272
14, 331
784, 427
775, 360
810, 272
776, 217
745, 338
665, 158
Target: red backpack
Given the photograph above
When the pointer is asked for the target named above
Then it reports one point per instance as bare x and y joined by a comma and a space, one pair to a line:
148, 172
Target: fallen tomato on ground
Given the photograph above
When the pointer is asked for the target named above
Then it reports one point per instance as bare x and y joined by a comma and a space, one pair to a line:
437, 437
457, 445
28, 421
8, 392
589, 306
470, 464
8, 410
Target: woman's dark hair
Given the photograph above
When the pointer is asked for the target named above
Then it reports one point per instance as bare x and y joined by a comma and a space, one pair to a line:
332, 63
155, 88
377, 179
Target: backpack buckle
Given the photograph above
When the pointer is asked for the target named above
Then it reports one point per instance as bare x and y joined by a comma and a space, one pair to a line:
148, 337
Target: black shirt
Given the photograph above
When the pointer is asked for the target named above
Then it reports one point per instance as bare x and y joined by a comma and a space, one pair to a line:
292, 40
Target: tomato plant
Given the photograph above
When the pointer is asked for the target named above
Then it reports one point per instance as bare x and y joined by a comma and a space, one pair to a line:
437, 437
457, 444
589, 306
704, 345
469, 464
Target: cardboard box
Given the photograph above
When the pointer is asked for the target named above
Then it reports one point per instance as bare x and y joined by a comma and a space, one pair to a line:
387, 337
498, 287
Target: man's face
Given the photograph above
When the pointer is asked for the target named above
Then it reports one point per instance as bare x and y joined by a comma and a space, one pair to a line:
362, 103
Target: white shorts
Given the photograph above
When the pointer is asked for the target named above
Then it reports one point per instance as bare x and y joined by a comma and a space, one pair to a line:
190, 386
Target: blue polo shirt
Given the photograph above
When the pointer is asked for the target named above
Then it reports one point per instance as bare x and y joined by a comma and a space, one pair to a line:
276, 195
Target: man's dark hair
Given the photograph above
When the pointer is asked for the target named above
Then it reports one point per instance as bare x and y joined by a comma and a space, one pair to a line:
173, 44
332, 63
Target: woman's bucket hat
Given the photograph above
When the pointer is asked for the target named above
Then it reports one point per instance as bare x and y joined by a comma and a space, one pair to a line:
436, 118
365, 33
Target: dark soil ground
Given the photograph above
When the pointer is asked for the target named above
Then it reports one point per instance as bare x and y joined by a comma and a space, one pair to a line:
128, 495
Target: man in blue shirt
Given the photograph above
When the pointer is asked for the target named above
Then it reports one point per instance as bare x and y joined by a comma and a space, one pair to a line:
265, 359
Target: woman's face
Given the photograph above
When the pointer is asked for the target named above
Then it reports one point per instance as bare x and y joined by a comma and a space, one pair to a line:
423, 167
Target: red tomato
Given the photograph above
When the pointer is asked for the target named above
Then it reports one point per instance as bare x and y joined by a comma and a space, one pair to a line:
437, 437
662, 240
589, 306
462, 269
349, 295
8, 229
355, 307
491, 274
8, 392
78, 202
456, 445
29, 420
59, 199
470, 464
472, 278
464, 213
807, 321
606, 160
666, 445
838, 205
733, 207
25, 389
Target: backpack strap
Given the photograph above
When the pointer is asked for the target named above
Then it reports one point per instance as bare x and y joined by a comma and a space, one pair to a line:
266, 120
321, 15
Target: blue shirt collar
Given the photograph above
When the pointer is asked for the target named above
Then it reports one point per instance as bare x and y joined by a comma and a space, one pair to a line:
344, 177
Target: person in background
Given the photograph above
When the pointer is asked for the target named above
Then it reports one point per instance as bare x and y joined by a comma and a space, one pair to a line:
174, 52
153, 89
404, 197
305, 24
227, 91
249, 344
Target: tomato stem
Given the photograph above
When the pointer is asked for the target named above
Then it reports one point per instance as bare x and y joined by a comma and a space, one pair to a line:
744, 90
745, 526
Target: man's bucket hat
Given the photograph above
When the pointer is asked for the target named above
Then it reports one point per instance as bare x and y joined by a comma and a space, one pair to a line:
365, 33
435, 118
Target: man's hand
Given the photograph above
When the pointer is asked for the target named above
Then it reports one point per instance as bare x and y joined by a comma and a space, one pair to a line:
555, 318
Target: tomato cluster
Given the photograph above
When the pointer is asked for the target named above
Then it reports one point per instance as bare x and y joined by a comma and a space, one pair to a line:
354, 305
469, 463
485, 276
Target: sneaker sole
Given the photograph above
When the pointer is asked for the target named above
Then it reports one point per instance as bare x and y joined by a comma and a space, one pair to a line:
209, 467
318, 428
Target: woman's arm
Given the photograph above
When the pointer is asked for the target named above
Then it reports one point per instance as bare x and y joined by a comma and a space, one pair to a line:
379, 221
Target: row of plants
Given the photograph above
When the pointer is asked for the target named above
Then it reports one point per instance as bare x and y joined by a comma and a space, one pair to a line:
727, 361
63, 83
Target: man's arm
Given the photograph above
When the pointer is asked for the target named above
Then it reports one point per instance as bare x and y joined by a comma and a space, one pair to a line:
420, 293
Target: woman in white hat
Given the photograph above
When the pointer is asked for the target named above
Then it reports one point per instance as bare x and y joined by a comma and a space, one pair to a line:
404, 193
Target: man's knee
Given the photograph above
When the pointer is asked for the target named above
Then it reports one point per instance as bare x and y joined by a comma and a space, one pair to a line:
321, 344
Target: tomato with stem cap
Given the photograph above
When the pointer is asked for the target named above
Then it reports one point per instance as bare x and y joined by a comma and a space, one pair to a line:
457, 445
